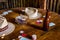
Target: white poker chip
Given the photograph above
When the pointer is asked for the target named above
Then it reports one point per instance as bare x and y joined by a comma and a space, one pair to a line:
21, 31
39, 20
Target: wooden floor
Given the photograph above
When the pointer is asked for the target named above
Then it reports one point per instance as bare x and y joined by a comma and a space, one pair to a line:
53, 34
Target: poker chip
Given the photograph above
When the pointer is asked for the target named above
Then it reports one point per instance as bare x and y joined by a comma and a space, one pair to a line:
24, 35
21, 31
39, 20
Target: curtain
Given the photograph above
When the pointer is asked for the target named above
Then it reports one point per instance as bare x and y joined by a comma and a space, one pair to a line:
25, 3
54, 5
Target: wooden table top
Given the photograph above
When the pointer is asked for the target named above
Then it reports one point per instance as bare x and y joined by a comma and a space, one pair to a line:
28, 29
17, 11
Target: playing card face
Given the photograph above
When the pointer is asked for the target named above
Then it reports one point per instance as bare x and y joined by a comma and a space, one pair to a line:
23, 38
5, 13
51, 24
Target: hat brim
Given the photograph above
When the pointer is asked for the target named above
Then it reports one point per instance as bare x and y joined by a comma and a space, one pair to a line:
9, 30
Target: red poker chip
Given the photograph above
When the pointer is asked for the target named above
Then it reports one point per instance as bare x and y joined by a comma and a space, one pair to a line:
24, 35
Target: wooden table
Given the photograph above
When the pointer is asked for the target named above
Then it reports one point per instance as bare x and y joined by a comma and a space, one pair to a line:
28, 29
16, 12
54, 17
